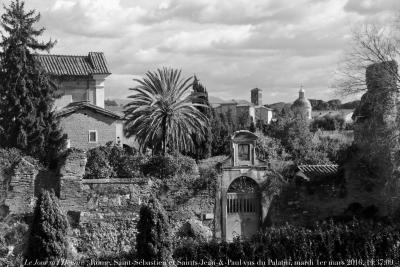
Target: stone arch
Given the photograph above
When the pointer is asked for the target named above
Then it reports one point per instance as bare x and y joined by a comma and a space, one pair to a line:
243, 184
243, 208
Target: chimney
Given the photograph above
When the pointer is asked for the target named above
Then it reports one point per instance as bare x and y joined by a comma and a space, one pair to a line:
256, 96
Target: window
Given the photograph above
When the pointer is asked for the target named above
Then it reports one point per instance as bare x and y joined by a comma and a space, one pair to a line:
92, 136
244, 151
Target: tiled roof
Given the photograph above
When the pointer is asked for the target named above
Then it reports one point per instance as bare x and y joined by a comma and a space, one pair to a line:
65, 65
264, 107
75, 106
310, 172
229, 102
244, 103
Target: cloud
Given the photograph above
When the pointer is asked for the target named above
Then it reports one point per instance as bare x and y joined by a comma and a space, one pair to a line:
367, 7
231, 45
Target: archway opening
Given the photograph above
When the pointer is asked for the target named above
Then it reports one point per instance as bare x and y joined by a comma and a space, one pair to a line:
243, 208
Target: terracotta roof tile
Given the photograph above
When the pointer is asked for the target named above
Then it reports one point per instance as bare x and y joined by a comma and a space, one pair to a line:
66, 65
310, 172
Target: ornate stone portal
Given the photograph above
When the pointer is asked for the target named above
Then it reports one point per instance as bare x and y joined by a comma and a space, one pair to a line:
239, 209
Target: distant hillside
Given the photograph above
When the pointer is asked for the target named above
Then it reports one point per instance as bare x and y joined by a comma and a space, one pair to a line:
278, 106
322, 105
351, 105
215, 100
318, 105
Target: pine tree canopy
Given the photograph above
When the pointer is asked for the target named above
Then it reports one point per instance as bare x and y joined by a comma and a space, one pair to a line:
27, 119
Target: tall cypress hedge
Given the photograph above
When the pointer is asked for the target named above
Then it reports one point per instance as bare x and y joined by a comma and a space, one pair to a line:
153, 241
48, 238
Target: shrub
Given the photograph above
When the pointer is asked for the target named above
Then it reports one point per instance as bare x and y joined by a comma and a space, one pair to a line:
329, 123
49, 229
10, 156
153, 241
131, 166
12, 241
160, 166
206, 181
169, 165
364, 240
113, 161
269, 148
124, 163
98, 166
186, 164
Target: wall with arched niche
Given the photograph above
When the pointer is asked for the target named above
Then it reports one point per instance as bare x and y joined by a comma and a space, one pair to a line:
229, 175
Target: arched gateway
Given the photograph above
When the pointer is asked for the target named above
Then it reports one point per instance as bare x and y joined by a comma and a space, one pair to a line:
243, 208
239, 210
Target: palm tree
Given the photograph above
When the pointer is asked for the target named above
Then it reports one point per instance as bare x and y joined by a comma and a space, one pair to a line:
163, 112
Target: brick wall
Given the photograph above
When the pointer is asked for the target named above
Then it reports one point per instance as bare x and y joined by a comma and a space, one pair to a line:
78, 124
71, 189
20, 198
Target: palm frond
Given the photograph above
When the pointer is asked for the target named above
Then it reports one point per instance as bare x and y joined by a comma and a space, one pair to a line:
164, 110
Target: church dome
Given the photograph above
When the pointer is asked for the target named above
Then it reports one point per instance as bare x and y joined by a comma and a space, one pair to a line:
301, 102
302, 105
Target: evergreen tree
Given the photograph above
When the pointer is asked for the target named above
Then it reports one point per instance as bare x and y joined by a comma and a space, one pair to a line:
153, 241
27, 119
47, 240
202, 145
221, 131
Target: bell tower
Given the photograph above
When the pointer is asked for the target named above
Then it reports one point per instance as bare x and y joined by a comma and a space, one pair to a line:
256, 96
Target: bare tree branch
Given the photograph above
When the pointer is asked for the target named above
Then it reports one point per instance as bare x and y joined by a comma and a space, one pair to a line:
371, 43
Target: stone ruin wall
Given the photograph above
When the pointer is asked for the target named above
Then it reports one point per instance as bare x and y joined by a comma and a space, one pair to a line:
102, 212
374, 167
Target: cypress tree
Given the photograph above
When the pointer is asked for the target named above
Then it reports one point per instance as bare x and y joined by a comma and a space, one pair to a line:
47, 240
27, 118
153, 241
202, 145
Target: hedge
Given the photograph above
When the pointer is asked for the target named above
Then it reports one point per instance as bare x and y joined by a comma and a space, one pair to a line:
363, 240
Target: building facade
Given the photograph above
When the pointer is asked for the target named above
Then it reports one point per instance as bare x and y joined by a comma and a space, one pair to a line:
80, 106
245, 112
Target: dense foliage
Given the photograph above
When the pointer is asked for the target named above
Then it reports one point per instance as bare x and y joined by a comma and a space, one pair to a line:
334, 104
11, 156
168, 165
49, 229
112, 161
98, 164
297, 139
361, 240
153, 241
202, 145
163, 112
222, 127
270, 149
329, 123
27, 120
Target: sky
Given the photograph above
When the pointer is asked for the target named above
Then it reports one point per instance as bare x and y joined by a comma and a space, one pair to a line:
231, 45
